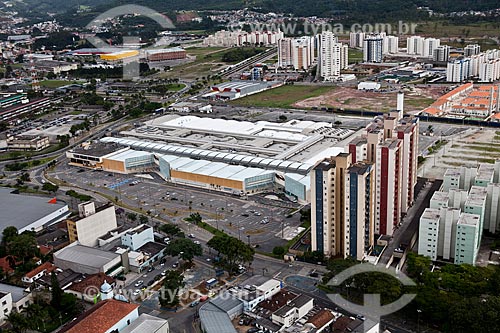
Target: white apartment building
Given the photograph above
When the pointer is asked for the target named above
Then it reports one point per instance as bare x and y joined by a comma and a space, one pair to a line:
441, 53
458, 70
356, 39
332, 56
489, 71
390, 45
296, 52
420, 46
373, 48
472, 49
225, 38
467, 239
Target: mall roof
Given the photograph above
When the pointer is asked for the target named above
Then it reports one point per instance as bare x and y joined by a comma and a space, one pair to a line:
21, 211
214, 169
213, 156
124, 155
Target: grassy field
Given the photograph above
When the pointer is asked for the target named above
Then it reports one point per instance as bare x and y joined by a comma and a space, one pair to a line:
444, 29
55, 83
355, 55
282, 97
208, 61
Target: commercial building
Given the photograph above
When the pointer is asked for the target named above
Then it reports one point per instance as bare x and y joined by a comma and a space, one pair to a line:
88, 260
27, 143
238, 89
332, 56
53, 66
91, 223
296, 52
174, 53
373, 48
105, 317
254, 290
119, 55
10, 99
217, 313
37, 212
33, 107
237, 157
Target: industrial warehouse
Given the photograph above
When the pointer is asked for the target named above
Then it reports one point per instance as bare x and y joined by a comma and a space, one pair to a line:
237, 157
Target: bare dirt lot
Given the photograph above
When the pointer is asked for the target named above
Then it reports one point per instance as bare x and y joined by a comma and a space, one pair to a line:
351, 98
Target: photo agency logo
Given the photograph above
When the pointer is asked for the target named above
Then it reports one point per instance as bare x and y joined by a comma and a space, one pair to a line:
130, 59
311, 29
372, 308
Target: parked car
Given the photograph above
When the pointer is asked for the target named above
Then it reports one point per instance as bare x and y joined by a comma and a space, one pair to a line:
150, 269
195, 303
139, 283
253, 330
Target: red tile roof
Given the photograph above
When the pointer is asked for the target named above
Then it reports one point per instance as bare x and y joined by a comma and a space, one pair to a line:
49, 267
5, 264
321, 318
101, 317
95, 280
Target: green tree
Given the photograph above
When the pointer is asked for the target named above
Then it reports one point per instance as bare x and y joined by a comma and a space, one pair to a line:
171, 229
194, 218
132, 216
169, 292
23, 246
185, 248
232, 251
279, 250
18, 321
143, 219
50, 187
8, 234
56, 292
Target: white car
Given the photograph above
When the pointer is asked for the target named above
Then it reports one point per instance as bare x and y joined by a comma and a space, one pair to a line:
197, 242
139, 283
136, 292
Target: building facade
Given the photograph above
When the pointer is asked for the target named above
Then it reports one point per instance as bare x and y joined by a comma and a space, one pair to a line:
373, 48
91, 224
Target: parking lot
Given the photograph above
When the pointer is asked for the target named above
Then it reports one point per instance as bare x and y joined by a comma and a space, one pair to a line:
249, 220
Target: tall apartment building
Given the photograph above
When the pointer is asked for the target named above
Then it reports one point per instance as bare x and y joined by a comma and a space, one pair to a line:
91, 223
458, 70
420, 46
472, 49
296, 52
391, 144
342, 207
390, 45
373, 48
489, 71
332, 56
441, 53
225, 38
356, 39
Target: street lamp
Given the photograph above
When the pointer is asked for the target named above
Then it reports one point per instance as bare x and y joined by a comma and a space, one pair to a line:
248, 236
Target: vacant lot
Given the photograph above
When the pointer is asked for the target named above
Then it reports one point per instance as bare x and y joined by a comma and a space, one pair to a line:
445, 29
351, 98
283, 97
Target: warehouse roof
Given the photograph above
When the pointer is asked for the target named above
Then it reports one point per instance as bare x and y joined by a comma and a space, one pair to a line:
33, 209
85, 255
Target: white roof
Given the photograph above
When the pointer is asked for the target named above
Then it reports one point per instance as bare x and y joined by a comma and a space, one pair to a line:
122, 156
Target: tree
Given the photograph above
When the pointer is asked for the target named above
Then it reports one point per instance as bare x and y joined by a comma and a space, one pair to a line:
194, 218
18, 321
23, 246
184, 247
49, 187
8, 234
233, 251
56, 291
132, 216
169, 292
143, 219
171, 229
278, 251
